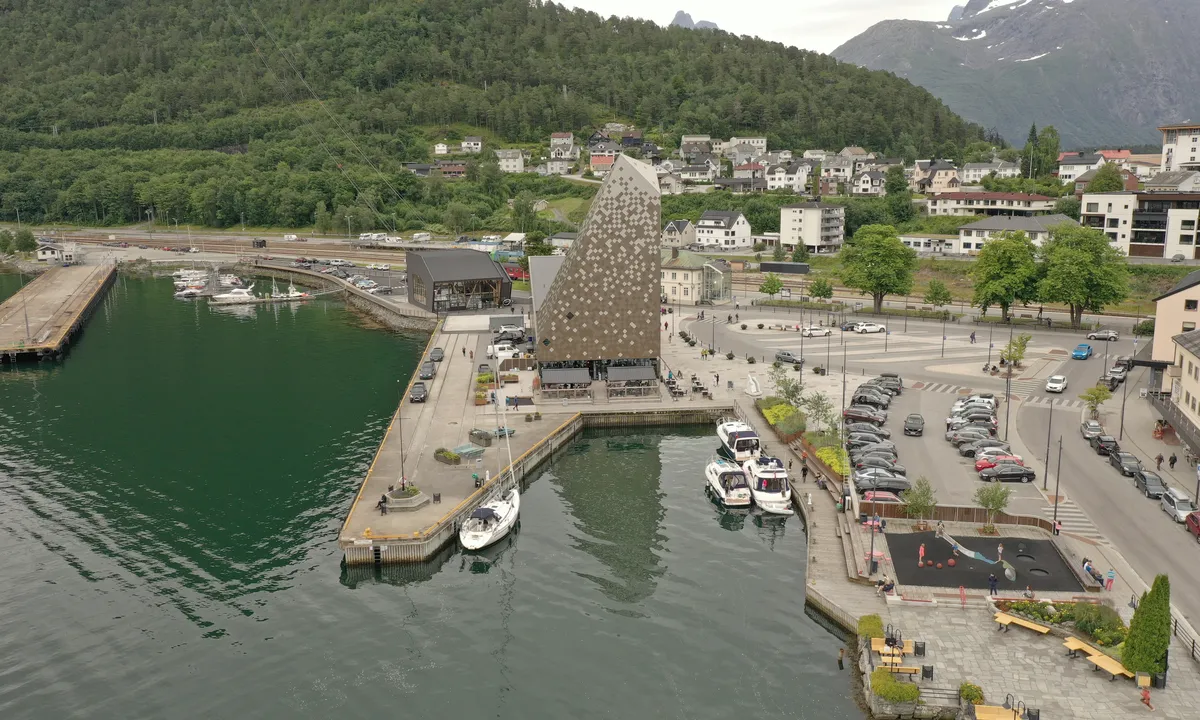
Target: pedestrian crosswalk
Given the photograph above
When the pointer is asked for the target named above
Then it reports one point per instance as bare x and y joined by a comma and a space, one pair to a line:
1058, 401
1021, 391
1073, 520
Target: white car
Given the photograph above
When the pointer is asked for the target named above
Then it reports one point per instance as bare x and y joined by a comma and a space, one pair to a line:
992, 451
869, 327
337, 262
504, 329
814, 331
193, 250
379, 266
1056, 384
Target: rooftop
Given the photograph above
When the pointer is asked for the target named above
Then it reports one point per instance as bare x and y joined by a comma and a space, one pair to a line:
725, 218
449, 265
1190, 280
812, 206
1041, 223
1079, 159
1189, 341
682, 259
990, 196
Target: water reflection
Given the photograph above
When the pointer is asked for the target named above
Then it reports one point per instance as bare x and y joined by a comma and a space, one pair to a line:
397, 574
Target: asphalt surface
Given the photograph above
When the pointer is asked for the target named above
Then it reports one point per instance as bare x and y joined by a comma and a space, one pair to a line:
1038, 564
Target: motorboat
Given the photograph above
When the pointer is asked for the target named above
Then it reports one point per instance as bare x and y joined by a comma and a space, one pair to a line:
727, 482
236, 295
290, 294
769, 485
180, 274
230, 281
491, 521
189, 293
739, 442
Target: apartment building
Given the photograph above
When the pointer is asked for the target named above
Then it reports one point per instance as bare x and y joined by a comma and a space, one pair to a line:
990, 203
1144, 224
820, 227
972, 237
1181, 147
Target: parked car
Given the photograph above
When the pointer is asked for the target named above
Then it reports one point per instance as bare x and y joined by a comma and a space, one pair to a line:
417, 393
502, 350
1120, 372
878, 462
992, 452
879, 479
863, 442
1106, 335
1191, 524
873, 399
1126, 463
1091, 429
987, 428
428, 371
858, 440
914, 425
1176, 504
816, 331
983, 463
1149, 484
969, 449
338, 262
509, 329
437, 354
1082, 351
889, 455
891, 383
785, 356
1056, 383
1124, 361
959, 438
868, 389
1104, 444
870, 327
868, 428
881, 413
1008, 473
849, 325
891, 390
863, 414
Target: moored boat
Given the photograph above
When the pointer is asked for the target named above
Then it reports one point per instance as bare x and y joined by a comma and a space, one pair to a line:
491, 522
727, 482
739, 442
769, 485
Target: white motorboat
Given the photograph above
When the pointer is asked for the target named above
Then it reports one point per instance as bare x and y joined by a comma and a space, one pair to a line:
728, 483
230, 281
236, 295
739, 442
290, 294
189, 293
180, 274
769, 485
491, 521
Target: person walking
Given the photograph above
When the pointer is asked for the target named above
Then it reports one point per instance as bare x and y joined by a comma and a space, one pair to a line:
992, 583
464, 352
999, 552
471, 354
921, 556
789, 466
804, 474
1109, 578
1057, 527
972, 337
1172, 460
1158, 459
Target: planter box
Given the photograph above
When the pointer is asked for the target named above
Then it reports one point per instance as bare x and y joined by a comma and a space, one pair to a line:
481, 401
447, 461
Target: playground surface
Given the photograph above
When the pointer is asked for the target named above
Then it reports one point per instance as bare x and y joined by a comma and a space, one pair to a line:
1038, 563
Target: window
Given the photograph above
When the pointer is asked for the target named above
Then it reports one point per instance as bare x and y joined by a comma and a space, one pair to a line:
685, 292
1189, 326
672, 276
674, 290
1186, 239
1191, 304
1189, 225
1112, 222
1112, 237
1187, 397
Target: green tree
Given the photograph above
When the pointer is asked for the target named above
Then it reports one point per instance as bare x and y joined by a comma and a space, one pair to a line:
788, 388
920, 500
1082, 270
457, 217
819, 407
1007, 272
800, 254
1048, 144
992, 497
1150, 630
524, 216
778, 254
938, 294
1029, 156
24, 241
894, 181
6, 242
1068, 206
899, 198
1107, 179
1094, 397
877, 263
821, 288
1015, 349
535, 245
771, 285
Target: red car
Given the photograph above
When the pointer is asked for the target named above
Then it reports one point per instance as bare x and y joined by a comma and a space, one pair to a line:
1192, 524
993, 461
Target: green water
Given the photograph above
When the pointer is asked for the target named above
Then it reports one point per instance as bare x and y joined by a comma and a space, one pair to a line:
169, 501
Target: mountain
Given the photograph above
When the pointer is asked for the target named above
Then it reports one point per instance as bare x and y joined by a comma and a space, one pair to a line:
1101, 71
274, 113
684, 20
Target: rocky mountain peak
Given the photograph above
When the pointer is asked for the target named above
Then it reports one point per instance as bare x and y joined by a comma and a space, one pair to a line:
684, 20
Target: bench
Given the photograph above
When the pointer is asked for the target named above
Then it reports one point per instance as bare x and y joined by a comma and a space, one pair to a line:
903, 670
1074, 646
879, 645
1110, 665
992, 712
1004, 621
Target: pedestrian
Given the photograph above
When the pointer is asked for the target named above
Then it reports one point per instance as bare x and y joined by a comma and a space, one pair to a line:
999, 552
1158, 461
472, 354
717, 377
1057, 527
1109, 578
671, 339
992, 583
464, 352
804, 474
1146, 698
789, 466
1172, 461
972, 337
941, 529
737, 318
804, 457
664, 327
921, 556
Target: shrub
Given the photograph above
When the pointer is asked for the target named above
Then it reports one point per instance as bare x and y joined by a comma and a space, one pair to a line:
691, 343
835, 459
776, 364
797, 367
760, 326
778, 413
886, 686
729, 356
970, 692
793, 424
1144, 328
1150, 631
870, 626
447, 454
769, 401
750, 359
743, 326
484, 378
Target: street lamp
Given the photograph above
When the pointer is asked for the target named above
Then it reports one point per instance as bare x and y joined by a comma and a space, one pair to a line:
1049, 424
1057, 478
943, 334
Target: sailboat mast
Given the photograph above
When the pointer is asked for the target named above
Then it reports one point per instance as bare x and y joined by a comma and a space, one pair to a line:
400, 428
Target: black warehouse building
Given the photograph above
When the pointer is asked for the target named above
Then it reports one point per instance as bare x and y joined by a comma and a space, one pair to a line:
444, 280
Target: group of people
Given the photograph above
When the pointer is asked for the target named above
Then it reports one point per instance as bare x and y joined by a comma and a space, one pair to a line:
1158, 461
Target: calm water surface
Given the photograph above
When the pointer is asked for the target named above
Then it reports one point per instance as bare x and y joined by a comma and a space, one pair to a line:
169, 501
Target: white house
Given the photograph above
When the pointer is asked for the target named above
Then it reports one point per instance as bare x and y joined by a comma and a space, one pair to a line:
758, 143
792, 176
820, 227
868, 184
563, 147
990, 203
934, 176
511, 161
818, 155
1187, 181
679, 233
441, 149
472, 144
727, 229
66, 253
1072, 165
974, 173
697, 173
748, 170
837, 167
972, 237
670, 184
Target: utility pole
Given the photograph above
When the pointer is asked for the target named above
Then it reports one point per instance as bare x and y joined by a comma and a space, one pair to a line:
1058, 477
843, 377
943, 336
1125, 392
1049, 424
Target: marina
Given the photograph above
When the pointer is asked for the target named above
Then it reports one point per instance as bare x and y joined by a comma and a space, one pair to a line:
40, 320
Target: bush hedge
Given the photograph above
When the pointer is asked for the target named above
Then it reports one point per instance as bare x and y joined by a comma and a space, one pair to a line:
971, 693
870, 626
1144, 328
835, 459
769, 401
1100, 623
1150, 631
885, 685
778, 413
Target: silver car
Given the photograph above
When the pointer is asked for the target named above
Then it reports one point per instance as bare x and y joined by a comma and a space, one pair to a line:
1091, 429
1056, 383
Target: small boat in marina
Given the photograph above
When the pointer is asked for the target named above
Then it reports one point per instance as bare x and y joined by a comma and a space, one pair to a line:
236, 295
769, 485
186, 293
739, 442
230, 281
491, 521
727, 482
290, 294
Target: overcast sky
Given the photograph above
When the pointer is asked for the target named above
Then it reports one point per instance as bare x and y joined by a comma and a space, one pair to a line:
819, 25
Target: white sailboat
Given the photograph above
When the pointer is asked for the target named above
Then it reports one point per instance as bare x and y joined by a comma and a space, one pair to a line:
739, 442
491, 521
728, 483
769, 485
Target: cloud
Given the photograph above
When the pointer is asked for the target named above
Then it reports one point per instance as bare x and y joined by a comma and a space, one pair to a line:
819, 25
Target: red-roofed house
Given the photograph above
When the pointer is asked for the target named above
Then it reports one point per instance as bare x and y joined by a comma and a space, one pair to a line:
750, 170
990, 203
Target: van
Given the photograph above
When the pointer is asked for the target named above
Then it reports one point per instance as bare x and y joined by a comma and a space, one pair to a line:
422, 237
289, 238
1177, 504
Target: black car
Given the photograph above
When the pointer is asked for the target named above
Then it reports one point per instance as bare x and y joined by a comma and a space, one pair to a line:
428, 370
891, 382
868, 428
437, 354
1007, 473
861, 440
914, 425
849, 325
418, 393
1149, 484
878, 479
874, 461
485, 368
875, 386
1104, 444
862, 414
1127, 463
889, 455
872, 400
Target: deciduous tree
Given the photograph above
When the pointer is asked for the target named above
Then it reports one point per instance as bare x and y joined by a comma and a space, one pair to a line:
1094, 397
771, 285
920, 500
821, 288
24, 241
938, 294
877, 263
1006, 272
1082, 270
1107, 179
992, 497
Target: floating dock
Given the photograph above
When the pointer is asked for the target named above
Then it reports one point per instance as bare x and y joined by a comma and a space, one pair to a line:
39, 321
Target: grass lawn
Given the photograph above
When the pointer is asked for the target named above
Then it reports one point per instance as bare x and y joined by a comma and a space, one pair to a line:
521, 285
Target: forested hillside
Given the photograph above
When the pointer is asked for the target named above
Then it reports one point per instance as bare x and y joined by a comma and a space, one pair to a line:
224, 112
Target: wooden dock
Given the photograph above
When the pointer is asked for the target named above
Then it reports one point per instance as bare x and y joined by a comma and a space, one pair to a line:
39, 321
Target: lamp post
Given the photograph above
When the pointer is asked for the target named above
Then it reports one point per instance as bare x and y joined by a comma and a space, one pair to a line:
1008, 384
1049, 424
991, 327
943, 335
1057, 478
1125, 393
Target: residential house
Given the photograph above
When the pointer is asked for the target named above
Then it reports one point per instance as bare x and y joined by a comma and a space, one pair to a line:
742, 153
828, 186
650, 151
990, 203
451, 168
563, 147
694, 139
691, 279
727, 229
859, 158
741, 185
679, 233
790, 176
868, 184
820, 227
689, 151
818, 155
710, 160
1145, 166
670, 184
974, 173
748, 170
472, 144
1072, 165
1146, 224
758, 143
974, 236
632, 139
511, 161
1178, 383
441, 149
596, 137
1176, 311
1186, 181
1181, 147
555, 166
419, 169
666, 166
838, 167
563, 241
602, 155
934, 176
1127, 176
697, 173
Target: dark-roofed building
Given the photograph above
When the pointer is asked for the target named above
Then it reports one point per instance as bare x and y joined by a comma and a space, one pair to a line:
1072, 165
740, 185
678, 233
1187, 181
727, 229
935, 176
446, 280
972, 237
1129, 177
691, 279
869, 183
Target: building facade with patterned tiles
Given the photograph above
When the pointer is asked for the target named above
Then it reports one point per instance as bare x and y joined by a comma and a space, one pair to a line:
602, 308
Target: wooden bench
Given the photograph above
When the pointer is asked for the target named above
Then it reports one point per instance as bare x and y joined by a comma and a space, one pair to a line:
1110, 665
1074, 646
1004, 620
912, 672
992, 712
879, 645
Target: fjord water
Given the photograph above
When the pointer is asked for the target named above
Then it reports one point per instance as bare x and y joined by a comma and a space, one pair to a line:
169, 501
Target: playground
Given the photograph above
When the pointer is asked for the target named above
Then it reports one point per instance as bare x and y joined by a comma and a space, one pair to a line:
1022, 563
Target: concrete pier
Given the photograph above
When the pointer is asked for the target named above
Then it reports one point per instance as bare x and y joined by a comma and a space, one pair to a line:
39, 321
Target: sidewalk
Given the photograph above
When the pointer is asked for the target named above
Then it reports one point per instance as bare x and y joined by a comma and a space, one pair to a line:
1140, 417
